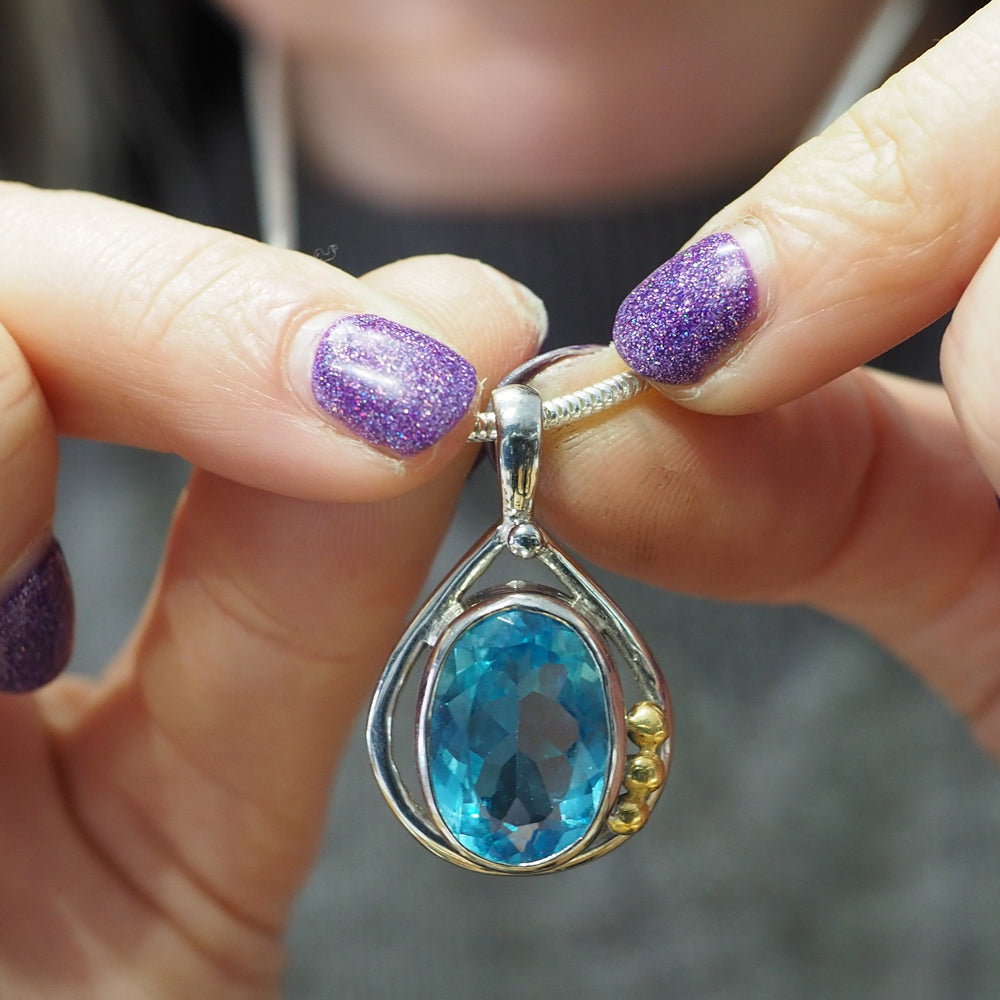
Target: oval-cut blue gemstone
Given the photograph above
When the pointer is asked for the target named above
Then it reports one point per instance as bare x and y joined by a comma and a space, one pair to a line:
518, 737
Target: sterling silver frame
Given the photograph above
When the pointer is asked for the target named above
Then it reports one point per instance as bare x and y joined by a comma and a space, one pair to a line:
580, 601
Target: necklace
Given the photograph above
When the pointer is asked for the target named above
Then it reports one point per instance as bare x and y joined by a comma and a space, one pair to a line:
563, 410
519, 746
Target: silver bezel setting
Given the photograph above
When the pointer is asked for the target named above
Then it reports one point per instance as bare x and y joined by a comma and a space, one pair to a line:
547, 602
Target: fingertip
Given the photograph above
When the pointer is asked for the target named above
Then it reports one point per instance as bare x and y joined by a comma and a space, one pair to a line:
488, 317
536, 315
874, 230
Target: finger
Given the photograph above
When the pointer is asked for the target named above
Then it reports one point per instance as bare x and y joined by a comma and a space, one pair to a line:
267, 629
36, 608
202, 765
269, 624
264, 366
854, 242
970, 364
861, 499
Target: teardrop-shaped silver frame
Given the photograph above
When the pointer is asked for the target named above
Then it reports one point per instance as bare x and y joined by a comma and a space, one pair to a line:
616, 642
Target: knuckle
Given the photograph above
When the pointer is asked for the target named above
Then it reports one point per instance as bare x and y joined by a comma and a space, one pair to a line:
254, 619
879, 158
891, 175
215, 307
28, 455
900, 135
21, 410
883, 171
168, 289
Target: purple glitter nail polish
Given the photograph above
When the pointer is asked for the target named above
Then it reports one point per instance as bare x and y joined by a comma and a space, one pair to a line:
390, 385
685, 315
36, 625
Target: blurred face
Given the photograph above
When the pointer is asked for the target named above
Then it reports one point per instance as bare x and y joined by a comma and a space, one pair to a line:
346, 25
527, 102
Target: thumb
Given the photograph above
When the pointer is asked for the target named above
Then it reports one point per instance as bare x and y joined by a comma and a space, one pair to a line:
263, 366
857, 240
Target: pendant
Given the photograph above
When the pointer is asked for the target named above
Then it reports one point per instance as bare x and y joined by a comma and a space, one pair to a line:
521, 758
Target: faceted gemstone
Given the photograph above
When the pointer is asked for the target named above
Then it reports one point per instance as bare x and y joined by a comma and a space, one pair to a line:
518, 737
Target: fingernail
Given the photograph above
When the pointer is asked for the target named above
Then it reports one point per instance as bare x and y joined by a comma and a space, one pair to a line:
392, 386
36, 625
679, 322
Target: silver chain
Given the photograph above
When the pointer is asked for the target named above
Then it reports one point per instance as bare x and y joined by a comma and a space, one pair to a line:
572, 407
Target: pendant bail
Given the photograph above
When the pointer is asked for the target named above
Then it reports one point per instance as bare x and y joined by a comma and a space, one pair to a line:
518, 410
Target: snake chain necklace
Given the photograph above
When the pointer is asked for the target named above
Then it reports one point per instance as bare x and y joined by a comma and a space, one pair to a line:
537, 730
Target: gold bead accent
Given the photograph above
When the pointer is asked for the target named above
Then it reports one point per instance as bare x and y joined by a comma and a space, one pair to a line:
645, 771
629, 817
646, 725
644, 774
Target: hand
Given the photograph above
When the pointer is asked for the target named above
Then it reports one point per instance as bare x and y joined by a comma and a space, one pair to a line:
156, 825
786, 473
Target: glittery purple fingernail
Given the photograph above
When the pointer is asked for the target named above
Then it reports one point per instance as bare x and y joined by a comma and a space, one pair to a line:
685, 315
36, 625
390, 385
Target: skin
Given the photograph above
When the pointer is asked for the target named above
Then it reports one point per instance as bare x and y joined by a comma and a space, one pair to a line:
870, 496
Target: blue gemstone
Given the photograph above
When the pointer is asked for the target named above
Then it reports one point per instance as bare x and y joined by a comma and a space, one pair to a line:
518, 737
